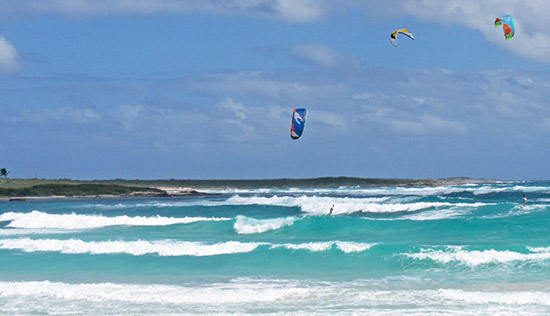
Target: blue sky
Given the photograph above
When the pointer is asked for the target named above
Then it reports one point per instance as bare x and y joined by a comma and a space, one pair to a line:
205, 89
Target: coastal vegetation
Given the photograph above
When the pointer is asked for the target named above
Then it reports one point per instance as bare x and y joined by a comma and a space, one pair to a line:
11, 188
281, 183
15, 187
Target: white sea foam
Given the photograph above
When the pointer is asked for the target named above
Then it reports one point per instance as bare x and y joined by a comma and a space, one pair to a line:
136, 248
265, 297
476, 257
36, 219
33, 231
321, 205
539, 249
443, 212
506, 298
246, 225
162, 294
345, 246
213, 201
509, 188
309, 204
349, 246
476, 189
374, 191
312, 246
164, 247
519, 210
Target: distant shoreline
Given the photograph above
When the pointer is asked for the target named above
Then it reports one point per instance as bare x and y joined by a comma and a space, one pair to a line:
34, 189
37, 189
171, 192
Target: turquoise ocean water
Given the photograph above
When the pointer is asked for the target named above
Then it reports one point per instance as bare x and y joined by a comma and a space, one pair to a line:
450, 250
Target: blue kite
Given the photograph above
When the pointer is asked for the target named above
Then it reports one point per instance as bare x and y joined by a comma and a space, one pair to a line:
298, 123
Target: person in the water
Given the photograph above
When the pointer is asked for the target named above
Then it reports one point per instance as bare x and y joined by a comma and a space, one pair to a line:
330, 211
524, 200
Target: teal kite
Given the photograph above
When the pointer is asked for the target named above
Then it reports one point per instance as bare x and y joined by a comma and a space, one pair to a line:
508, 25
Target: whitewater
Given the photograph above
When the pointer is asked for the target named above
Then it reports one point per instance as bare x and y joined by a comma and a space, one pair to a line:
470, 249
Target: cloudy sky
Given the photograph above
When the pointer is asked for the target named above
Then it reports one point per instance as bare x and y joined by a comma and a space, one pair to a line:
160, 89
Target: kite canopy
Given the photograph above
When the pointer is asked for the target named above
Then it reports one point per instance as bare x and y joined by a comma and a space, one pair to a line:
298, 123
508, 25
393, 36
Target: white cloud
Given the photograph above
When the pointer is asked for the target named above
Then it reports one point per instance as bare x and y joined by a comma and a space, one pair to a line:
531, 40
79, 116
156, 121
406, 127
62, 114
429, 102
329, 118
290, 10
304, 10
362, 96
439, 124
237, 108
127, 114
316, 53
250, 84
8, 57
237, 127
323, 56
418, 123
421, 100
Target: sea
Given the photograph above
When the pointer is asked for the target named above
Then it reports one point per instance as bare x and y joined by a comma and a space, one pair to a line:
468, 249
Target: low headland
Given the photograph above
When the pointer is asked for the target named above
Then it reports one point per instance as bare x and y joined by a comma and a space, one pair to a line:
22, 189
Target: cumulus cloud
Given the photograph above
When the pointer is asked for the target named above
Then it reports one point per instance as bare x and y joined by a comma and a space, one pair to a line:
426, 100
290, 10
531, 40
8, 57
482, 111
424, 103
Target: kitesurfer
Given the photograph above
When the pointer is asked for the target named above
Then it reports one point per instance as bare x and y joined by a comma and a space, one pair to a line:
330, 211
524, 200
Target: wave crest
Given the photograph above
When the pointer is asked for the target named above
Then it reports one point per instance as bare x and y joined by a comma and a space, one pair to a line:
475, 257
36, 219
246, 225
165, 247
136, 248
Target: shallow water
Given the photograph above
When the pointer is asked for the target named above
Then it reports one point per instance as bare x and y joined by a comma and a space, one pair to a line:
451, 250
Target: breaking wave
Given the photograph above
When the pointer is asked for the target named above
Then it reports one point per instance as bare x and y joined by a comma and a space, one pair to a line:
320, 205
246, 225
476, 257
276, 297
36, 219
165, 247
